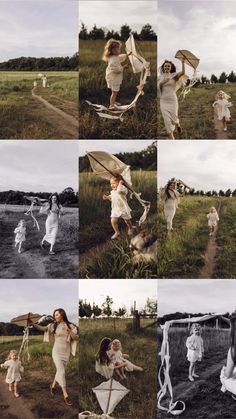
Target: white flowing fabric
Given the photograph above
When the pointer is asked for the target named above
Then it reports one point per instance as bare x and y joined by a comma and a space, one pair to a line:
228, 384
109, 394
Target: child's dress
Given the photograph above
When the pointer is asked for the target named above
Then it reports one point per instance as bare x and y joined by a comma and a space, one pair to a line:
117, 358
20, 234
222, 109
14, 368
114, 72
195, 351
213, 218
119, 204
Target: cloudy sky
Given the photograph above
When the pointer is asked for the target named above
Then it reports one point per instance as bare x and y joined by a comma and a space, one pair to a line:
112, 146
41, 296
39, 28
123, 291
207, 165
115, 13
206, 28
38, 165
194, 296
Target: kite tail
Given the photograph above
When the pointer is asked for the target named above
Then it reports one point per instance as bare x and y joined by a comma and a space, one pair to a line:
30, 212
90, 415
145, 204
25, 343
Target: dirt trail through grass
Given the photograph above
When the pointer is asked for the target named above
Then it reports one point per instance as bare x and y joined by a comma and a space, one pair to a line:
12, 407
220, 133
208, 269
61, 118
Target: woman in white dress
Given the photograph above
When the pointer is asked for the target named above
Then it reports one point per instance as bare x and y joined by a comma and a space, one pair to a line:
65, 337
53, 209
228, 372
168, 84
170, 197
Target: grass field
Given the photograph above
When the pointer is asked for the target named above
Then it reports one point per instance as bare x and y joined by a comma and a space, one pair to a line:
99, 256
197, 114
140, 403
23, 117
139, 123
39, 373
35, 262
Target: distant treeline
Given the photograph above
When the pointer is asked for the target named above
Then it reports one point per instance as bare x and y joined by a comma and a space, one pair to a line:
146, 33
145, 159
226, 193
179, 315
41, 64
9, 329
68, 197
223, 78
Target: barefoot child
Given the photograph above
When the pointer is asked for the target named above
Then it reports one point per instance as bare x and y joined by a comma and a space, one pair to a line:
119, 205
120, 360
14, 370
19, 232
213, 219
222, 106
195, 347
114, 70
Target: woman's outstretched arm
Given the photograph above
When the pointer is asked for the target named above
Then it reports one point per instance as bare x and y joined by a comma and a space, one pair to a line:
182, 72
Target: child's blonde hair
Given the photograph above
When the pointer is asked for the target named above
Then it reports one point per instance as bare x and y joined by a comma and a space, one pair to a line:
226, 96
11, 353
22, 222
111, 43
213, 208
117, 178
116, 342
196, 327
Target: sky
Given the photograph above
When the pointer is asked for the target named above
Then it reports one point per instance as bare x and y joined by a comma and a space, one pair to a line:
123, 291
207, 165
115, 13
38, 28
41, 296
112, 146
38, 166
206, 28
196, 295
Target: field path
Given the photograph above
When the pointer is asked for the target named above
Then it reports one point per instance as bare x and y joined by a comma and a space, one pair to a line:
220, 133
61, 118
12, 407
208, 269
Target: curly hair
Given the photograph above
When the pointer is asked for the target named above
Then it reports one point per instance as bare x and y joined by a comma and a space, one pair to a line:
173, 68
112, 43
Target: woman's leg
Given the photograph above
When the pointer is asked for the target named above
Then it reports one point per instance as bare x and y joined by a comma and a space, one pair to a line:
60, 377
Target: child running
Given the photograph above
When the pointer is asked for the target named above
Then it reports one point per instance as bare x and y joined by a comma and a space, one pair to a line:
195, 347
114, 70
222, 106
213, 219
14, 370
119, 205
120, 360
19, 232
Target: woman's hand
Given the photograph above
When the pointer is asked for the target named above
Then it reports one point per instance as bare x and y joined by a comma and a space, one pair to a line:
125, 66
105, 197
129, 53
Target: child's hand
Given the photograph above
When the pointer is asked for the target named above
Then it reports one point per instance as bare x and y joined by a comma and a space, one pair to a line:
125, 66
105, 197
129, 53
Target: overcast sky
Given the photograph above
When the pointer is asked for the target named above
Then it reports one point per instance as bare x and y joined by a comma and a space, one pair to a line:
41, 296
123, 291
39, 28
112, 146
196, 295
206, 28
207, 165
48, 166
113, 14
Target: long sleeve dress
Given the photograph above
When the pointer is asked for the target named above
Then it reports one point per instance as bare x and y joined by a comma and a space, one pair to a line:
14, 369
114, 72
213, 219
222, 109
195, 351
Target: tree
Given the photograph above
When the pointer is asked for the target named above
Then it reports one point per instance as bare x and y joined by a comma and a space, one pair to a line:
106, 306
96, 33
147, 33
97, 311
232, 77
214, 79
120, 312
223, 77
150, 307
112, 34
85, 309
228, 192
208, 193
221, 193
125, 32
83, 34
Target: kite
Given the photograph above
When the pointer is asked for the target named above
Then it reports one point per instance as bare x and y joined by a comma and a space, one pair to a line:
109, 394
35, 201
107, 166
25, 321
139, 65
192, 61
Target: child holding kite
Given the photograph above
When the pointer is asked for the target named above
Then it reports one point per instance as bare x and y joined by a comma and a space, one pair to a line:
19, 232
213, 219
14, 370
119, 205
195, 347
222, 106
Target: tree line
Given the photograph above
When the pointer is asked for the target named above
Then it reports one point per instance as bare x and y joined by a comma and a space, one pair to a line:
10, 329
223, 78
145, 159
226, 193
68, 197
146, 33
41, 64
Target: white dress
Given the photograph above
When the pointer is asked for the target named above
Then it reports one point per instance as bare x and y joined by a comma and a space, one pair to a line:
114, 72
222, 109
104, 369
14, 368
51, 223
228, 384
20, 234
195, 351
44, 81
213, 218
117, 358
170, 206
119, 204
169, 104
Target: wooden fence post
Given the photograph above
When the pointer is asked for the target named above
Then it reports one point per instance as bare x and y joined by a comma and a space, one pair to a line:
136, 322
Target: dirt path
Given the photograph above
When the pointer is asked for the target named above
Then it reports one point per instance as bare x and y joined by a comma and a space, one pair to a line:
12, 407
220, 133
208, 269
60, 118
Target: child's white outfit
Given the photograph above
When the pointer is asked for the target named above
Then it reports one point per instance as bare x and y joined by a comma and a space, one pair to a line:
119, 204
14, 368
20, 234
117, 358
114, 72
44, 81
195, 351
222, 109
213, 219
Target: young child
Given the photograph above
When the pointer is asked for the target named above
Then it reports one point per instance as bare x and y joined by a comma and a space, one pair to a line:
119, 205
19, 232
114, 70
213, 219
14, 370
222, 106
120, 360
195, 347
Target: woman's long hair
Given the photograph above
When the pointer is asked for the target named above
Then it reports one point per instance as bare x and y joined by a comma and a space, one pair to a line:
50, 200
64, 318
173, 68
112, 43
167, 189
101, 355
233, 337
